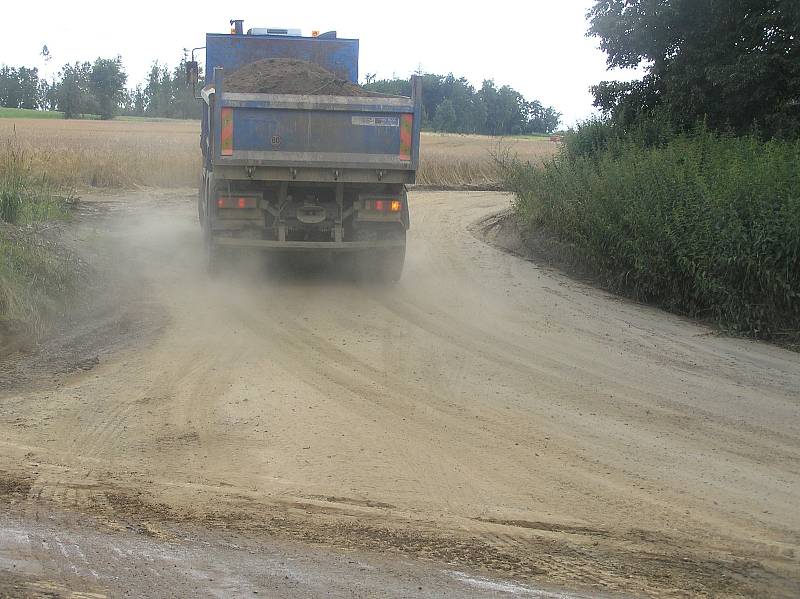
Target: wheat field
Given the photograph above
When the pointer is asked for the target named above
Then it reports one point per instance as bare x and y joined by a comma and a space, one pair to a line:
161, 153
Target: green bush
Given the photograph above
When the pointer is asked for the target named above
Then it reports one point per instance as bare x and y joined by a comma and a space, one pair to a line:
24, 195
701, 224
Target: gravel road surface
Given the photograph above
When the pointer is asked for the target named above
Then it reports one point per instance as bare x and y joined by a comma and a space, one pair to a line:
487, 426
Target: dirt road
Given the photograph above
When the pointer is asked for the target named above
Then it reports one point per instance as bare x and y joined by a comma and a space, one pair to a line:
485, 413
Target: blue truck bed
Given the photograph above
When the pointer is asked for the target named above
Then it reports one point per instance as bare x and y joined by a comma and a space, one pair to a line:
305, 132
315, 132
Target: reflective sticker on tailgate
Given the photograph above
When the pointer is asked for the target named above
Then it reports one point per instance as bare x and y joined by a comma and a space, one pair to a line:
406, 132
376, 121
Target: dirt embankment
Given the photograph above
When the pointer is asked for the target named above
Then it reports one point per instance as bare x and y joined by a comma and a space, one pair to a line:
290, 76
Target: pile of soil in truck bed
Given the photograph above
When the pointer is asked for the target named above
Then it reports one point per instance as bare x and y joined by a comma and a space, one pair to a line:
290, 76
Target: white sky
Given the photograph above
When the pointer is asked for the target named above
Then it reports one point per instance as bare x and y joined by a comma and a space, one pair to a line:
536, 46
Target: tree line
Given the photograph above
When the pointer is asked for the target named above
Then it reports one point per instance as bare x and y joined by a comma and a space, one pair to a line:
449, 103
453, 105
99, 88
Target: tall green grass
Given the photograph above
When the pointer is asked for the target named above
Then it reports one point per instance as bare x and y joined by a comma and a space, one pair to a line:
35, 278
702, 224
26, 195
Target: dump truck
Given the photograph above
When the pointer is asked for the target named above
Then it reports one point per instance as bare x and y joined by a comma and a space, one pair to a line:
301, 172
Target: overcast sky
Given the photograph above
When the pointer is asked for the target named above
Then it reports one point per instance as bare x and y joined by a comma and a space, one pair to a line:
536, 46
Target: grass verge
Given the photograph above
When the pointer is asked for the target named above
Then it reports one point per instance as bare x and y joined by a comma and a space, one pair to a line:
36, 276
26, 113
700, 224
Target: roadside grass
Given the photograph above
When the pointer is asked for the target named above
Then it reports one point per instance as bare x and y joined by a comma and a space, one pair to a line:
453, 160
35, 277
25, 113
700, 224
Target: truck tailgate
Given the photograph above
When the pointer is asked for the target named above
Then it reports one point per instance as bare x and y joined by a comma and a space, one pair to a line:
319, 131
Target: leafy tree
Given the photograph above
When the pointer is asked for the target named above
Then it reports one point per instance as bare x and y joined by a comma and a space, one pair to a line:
28, 88
185, 105
541, 119
166, 94
9, 87
19, 87
735, 64
107, 80
445, 117
72, 94
136, 101
48, 94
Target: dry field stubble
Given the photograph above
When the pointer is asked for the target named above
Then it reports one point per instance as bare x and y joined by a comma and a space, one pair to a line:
167, 153
449, 159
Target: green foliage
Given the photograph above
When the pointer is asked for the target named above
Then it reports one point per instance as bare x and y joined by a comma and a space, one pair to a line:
34, 280
453, 105
26, 196
445, 117
19, 87
84, 89
24, 113
107, 84
702, 224
72, 93
735, 65
595, 136
165, 94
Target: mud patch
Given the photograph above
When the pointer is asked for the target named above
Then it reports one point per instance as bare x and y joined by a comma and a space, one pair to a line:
357, 502
175, 441
14, 485
547, 526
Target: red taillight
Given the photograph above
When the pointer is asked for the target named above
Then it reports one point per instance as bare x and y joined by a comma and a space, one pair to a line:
383, 205
236, 202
